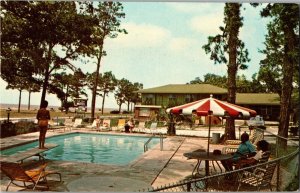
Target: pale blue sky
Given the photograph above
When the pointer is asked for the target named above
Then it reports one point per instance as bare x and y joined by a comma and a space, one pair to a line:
164, 46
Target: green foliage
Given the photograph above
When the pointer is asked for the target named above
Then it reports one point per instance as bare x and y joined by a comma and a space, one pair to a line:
121, 91
279, 69
48, 35
243, 85
107, 17
227, 48
9, 129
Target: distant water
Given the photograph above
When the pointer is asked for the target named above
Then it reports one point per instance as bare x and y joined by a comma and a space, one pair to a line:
33, 107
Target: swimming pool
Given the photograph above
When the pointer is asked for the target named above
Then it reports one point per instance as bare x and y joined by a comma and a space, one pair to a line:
92, 148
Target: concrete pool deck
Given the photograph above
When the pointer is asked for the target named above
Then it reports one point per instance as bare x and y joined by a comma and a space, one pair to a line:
154, 168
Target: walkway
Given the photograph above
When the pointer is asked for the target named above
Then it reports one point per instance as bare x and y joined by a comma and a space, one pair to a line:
154, 168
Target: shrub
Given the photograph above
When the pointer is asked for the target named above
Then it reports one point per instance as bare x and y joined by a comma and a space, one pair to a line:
7, 129
115, 112
11, 129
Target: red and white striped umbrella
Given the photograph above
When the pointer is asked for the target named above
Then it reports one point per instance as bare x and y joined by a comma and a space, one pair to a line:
213, 106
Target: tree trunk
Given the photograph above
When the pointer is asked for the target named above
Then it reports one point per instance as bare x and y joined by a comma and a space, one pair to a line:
96, 82
19, 107
45, 86
29, 95
47, 75
287, 82
234, 9
66, 100
103, 100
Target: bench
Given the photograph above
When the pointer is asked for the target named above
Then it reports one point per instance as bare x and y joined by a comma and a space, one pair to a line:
21, 156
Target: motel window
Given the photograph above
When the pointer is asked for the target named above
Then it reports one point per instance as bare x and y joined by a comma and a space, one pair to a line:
188, 98
172, 100
149, 99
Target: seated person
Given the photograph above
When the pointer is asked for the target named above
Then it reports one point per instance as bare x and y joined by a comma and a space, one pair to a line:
244, 149
262, 147
98, 122
130, 125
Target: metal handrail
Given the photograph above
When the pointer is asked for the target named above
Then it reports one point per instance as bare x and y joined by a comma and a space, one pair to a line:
148, 141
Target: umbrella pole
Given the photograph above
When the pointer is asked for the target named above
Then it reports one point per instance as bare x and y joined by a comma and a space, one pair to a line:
209, 124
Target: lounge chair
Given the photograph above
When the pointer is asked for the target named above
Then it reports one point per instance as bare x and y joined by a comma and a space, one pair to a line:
105, 125
77, 123
153, 127
16, 172
69, 123
94, 125
54, 126
121, 125
141, 127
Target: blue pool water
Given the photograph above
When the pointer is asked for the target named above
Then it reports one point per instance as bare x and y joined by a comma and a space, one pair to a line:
92, 148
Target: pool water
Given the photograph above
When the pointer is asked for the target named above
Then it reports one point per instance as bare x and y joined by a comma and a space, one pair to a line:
92, 148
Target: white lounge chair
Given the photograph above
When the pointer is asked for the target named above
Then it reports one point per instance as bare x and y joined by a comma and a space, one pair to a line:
140, 128
94, 125
105, 125
153, 127
77, 123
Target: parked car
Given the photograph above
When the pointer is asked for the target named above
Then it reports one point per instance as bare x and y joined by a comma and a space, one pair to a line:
257, 121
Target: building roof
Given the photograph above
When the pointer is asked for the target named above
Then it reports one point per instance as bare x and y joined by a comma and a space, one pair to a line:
185, 88
149, 106
257, 99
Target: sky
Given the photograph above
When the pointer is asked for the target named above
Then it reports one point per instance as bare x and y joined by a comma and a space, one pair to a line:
164, 46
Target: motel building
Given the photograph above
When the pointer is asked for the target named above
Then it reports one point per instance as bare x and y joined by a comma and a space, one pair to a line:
154, 99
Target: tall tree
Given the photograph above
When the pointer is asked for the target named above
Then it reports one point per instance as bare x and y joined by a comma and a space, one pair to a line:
108, 15
52, 34
13, 63
229, 43
282, 57
130, 95
107, 84
68, 85
122, 91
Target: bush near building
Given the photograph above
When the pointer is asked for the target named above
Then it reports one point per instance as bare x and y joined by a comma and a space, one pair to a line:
8, 129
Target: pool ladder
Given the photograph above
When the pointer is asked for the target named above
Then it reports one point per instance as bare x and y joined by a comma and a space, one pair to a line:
161, 139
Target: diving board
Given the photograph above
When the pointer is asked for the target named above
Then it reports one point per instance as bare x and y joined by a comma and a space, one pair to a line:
20, 156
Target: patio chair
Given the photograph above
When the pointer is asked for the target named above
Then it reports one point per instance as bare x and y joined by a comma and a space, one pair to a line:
17, 173
140, 127
259, 178
54, 126
94, 125
153, 127
77, 123
69, 123
121, 125
254, 137
105, 125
